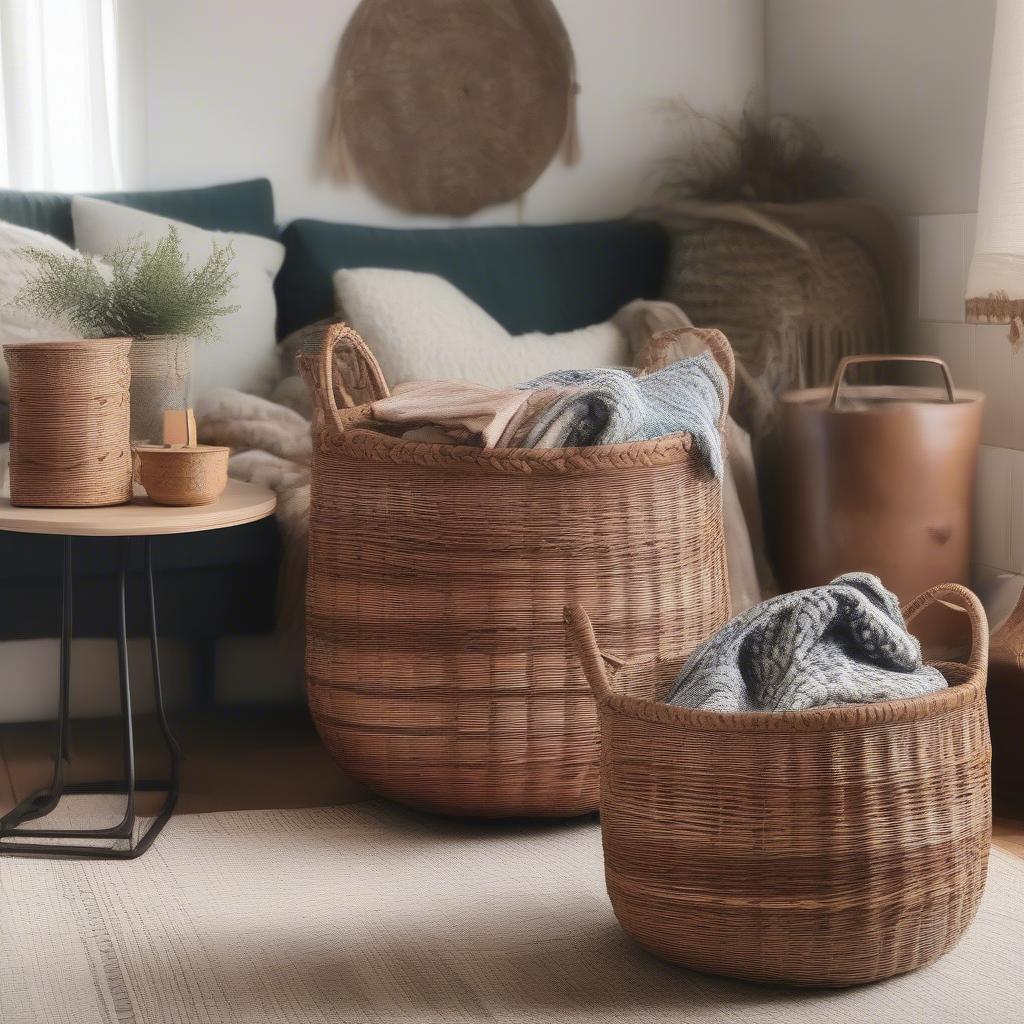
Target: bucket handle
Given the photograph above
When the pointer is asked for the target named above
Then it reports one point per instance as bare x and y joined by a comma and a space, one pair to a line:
348, 338
595, 665
953, 595
847, 361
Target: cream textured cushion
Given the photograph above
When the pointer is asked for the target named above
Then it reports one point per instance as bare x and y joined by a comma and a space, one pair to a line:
15, 269
420, 327
244, 356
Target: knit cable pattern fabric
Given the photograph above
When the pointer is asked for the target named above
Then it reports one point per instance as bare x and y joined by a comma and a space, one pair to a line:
609, 406
843, 643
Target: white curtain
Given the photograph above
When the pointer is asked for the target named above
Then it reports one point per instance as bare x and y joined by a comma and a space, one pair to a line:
67, 120
995, 281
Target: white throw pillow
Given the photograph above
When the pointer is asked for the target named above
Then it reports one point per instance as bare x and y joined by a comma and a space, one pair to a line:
244, 354
421, 327
15, 270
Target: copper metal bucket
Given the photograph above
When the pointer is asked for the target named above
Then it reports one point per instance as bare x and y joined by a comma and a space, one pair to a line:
878, 479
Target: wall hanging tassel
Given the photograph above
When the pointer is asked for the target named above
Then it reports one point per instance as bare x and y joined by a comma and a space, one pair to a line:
571, 145
334, 159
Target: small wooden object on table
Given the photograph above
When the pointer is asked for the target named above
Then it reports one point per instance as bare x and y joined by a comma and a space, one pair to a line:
181, 471
182, 474
240, 503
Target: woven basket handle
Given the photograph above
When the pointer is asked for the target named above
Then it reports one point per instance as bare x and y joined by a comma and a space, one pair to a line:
848, 361
595, 664
665, 347
345, 337
953, 595
721, 351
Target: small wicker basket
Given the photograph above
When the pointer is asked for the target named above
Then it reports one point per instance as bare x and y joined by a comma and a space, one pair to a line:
437, 672
825, 847
181, 474
70, 423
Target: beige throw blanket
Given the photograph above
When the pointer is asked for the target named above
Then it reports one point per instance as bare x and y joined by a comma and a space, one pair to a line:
460, 412
750, 574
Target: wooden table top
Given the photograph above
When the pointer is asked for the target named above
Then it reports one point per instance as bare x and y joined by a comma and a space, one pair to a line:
240, 503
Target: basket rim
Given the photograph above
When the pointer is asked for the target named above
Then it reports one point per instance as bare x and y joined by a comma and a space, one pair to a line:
373, 446
960, 693
148, 448
66, 344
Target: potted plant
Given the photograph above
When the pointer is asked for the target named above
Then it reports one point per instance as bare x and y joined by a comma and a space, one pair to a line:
148, 293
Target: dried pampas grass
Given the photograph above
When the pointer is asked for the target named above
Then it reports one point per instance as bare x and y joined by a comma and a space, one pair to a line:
749, 158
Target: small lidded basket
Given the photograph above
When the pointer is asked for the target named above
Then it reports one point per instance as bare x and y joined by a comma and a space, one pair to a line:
182, 474
70, 410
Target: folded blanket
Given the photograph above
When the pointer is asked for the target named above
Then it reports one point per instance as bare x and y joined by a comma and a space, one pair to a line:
569, 409
844, 643
613, 406
463, 410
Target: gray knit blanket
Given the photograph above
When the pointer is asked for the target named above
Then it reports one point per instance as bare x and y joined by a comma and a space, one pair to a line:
608, 406
844, 643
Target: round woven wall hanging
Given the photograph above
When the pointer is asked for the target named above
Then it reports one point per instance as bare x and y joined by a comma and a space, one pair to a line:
447, 106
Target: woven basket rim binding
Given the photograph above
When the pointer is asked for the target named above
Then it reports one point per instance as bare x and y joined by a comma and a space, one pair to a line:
371, 445
66, 345
966, 682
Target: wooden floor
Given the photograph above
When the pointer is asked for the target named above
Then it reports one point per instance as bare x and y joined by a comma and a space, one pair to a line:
1008, 824
239, 758
235, 758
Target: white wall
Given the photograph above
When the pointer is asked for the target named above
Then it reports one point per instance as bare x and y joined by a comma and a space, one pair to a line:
233, 89
897, 86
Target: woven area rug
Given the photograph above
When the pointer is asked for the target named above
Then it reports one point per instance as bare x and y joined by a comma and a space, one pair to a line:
367, 913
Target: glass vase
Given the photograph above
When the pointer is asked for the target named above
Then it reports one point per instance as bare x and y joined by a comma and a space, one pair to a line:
161, 380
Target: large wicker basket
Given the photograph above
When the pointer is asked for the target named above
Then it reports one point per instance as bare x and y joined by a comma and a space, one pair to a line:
436, 664
70, 423
825, 847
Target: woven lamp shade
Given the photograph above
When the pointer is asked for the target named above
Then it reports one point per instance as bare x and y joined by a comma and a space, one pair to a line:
995, 281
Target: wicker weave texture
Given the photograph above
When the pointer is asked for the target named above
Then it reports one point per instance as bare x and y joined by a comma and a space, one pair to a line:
827, 847
182, 476
70, 423
437, 668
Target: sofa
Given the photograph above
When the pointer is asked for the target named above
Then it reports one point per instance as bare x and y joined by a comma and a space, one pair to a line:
223, 583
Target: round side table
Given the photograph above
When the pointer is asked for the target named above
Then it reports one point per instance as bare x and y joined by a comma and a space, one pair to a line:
240, 503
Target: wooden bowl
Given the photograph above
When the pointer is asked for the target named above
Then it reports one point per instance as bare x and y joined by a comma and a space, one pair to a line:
178, 475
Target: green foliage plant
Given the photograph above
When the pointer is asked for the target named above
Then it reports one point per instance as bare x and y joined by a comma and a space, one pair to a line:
138, 290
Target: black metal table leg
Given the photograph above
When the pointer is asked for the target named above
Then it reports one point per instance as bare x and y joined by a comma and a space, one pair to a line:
41, 803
